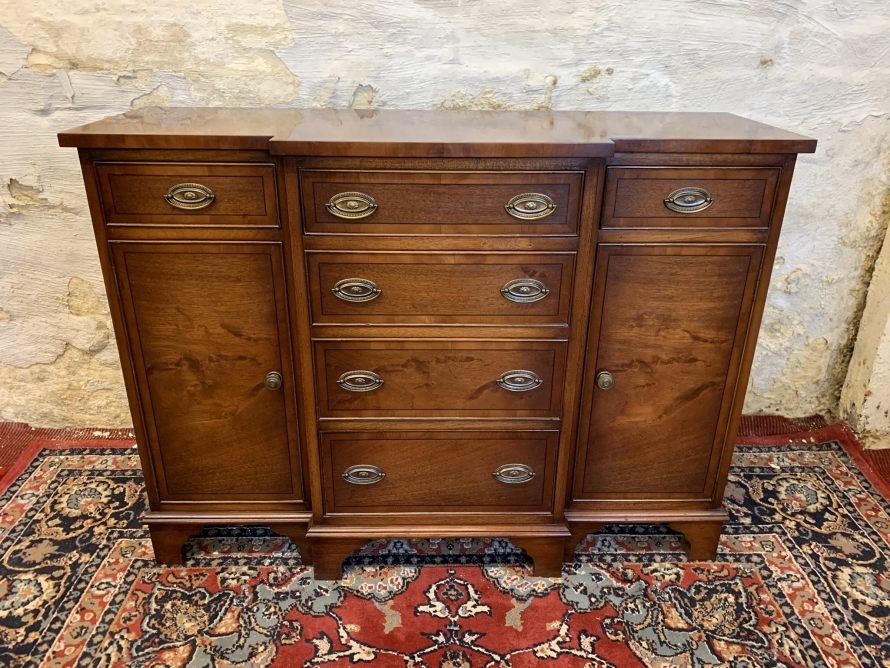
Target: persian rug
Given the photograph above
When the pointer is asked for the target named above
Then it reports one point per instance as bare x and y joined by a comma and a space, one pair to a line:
802, 579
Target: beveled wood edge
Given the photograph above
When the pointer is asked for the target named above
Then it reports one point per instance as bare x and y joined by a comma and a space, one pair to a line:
365, 149
127, 361
235, 517
761, 291
74, 139
599, 149
302, 337
802, 145
573, 515
558, 530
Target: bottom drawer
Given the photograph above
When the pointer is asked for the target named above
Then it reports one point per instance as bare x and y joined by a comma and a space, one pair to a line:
439, 471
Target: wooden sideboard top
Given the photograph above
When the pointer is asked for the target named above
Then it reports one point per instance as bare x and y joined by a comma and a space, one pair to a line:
435, 133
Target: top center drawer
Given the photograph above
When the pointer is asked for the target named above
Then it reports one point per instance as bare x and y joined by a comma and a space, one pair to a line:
431, 203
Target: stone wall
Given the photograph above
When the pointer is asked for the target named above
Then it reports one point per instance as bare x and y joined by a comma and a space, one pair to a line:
819, 68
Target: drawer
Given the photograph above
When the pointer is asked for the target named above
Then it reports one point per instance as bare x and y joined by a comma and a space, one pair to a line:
440, 288
189, 194
637, 197
394, 202
421, 378
439, 471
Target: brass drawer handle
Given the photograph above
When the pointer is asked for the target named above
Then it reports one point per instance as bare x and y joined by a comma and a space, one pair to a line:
351, 205
273, 380
514, 474
360, 381
530, 206
524, 290
189, 196
519, 381
689, 200
363, 474
604, 380
356, 290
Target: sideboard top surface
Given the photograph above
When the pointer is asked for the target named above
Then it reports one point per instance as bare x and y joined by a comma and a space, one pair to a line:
434, 133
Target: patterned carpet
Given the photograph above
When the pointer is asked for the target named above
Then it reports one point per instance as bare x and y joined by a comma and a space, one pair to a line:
803, 580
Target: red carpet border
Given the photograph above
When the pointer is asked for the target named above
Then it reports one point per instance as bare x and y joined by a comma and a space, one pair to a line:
802, 579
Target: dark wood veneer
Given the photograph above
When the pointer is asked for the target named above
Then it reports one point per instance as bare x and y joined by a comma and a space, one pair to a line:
441, 202
440, 378
635, 197
433, 288
420, 477
133, 194
207, 302
206, 324
668, 324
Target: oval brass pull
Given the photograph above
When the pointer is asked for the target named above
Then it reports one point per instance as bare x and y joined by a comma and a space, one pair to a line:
189, 196
530, 206
689, 200
356, 290
273, 380
360, 381
363, 474
351, 205
604, 380
524, 290
519, 381
514, 474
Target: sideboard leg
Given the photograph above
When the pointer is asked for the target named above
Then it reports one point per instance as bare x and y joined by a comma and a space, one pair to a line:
579, 533
703, 538
168, 540
296, 533
328, 555
545, 552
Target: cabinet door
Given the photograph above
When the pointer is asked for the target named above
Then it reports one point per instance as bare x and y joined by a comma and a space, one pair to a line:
669, 324
206, 323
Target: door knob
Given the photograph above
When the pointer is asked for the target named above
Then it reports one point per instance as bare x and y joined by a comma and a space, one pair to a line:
273, 380
604, 380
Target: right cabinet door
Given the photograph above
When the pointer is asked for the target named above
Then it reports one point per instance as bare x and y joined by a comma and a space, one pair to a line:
666, 339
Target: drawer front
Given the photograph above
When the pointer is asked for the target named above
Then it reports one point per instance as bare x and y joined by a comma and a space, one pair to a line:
381, 202
637, 197
438, 471
440, 288
189, 194
440, 378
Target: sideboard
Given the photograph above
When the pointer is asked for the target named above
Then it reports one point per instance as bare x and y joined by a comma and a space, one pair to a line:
356, 324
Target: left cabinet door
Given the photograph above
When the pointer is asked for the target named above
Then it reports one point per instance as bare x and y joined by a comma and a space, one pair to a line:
206, 325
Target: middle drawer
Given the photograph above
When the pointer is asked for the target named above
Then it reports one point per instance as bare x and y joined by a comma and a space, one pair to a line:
440, 288
421, 378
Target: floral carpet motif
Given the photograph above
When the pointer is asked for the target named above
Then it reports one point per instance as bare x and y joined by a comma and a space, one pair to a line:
802, 579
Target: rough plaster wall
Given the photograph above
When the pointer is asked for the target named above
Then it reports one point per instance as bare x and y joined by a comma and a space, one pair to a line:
865, 399
820, 68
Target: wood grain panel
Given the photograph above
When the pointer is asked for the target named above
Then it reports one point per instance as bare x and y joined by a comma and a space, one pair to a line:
207, 323
431, 288
743, 197
441, 202
438, 133
440, 378
670, 331
422, 475
133, 194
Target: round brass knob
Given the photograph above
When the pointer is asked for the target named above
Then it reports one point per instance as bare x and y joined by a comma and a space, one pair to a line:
604, 380
273, 380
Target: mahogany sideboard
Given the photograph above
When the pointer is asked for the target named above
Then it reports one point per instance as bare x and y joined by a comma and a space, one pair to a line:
348, 325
